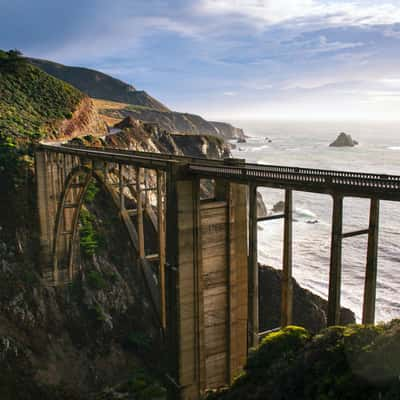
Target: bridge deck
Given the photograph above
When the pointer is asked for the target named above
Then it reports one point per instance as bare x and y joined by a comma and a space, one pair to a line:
346, 183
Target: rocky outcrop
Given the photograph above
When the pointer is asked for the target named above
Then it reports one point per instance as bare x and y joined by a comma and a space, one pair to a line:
309, 310
169, 121
262, 210
228, 131
278, 206
344, 140
135, 103
85, 119
143, 136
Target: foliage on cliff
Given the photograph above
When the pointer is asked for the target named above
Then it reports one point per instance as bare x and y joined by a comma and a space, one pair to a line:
31, 101
31, 105
346, 363
98, 85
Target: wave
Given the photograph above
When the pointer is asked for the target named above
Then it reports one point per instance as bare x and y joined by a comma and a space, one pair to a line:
305, 213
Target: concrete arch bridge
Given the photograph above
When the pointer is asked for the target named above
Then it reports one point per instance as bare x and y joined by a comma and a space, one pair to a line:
206, 296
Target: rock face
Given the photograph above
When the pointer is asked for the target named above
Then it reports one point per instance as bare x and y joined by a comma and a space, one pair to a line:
278, 207
169, 121
135, 103
84, 119
309, 310
344, 140
145, 136
228, 131
261, 207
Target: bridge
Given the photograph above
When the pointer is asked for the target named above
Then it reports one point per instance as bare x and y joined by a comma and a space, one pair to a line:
206, 291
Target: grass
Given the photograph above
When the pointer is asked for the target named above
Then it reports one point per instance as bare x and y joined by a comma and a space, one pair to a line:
32, 104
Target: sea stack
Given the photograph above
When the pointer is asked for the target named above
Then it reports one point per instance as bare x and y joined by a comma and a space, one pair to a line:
344, 140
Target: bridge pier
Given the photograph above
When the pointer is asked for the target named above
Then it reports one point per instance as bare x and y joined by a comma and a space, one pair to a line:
372, 265
253, 292
335, 271
287, 279
207, 268
208, 282
139, 216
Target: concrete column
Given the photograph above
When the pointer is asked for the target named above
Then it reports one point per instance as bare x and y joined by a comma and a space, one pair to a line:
181, 335
335, 272
253, 297
46, 225
372, 265
287, 281
161, 243
139, 205
121, 188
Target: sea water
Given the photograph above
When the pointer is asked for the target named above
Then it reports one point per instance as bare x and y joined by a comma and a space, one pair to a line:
306, 144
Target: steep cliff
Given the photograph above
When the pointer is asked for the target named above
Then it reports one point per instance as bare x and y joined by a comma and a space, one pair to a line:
309, 310
33, 106
135, 103
169, 121
228, 131
98, 85
87, 335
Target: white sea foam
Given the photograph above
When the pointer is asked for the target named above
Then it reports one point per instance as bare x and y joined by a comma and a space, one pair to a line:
308, 145
304, 213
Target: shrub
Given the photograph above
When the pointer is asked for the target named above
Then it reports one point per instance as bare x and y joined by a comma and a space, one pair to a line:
89, 238
95, 280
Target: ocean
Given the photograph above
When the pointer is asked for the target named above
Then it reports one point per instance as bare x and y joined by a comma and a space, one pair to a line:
306, 144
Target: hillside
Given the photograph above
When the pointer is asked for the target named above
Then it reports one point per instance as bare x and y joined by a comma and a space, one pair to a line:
32, 102
33, 106
340, 363
117, 100
98, 85
169, 121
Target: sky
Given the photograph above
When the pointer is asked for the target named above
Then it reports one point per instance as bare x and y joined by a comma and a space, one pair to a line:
233, 59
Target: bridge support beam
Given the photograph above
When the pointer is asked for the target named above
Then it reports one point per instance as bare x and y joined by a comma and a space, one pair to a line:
287, 280
253, 295
161, 243
335, 271
206, 286
372, 265
139, 207
47, 212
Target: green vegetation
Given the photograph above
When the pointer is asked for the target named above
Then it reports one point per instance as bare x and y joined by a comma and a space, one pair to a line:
139, 342
32, 104
98, 85
95, 280
346, 363
88, 140
91, 192
143, 387
99, 313
90, 239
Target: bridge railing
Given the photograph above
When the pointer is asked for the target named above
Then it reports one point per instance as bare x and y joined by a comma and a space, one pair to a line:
260, 170
308, 179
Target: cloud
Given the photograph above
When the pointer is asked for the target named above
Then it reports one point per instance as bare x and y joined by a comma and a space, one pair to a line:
302, 11
198, 55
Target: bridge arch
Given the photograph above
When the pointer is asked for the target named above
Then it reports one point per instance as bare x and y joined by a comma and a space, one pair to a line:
67, 219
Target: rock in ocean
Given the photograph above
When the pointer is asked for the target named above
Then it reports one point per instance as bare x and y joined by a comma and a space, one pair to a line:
344, 140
